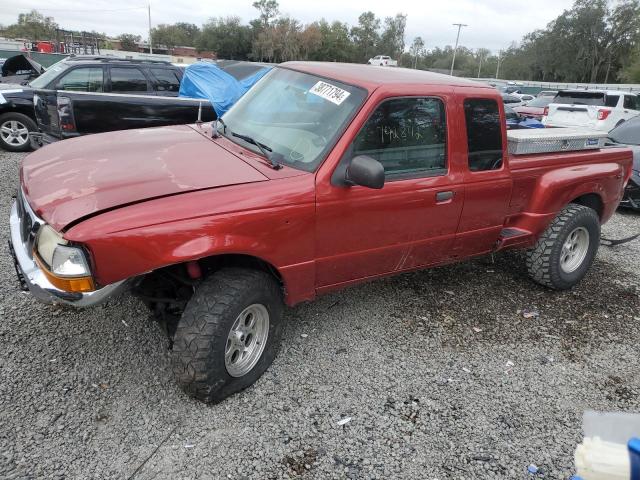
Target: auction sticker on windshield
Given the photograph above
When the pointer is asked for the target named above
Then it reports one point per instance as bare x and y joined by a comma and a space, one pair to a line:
329, 92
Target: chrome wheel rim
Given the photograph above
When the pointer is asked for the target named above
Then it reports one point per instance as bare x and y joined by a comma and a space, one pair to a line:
246, 340
574, 250
14, 133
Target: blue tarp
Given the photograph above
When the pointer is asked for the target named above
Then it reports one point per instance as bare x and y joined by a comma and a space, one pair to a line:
206, 80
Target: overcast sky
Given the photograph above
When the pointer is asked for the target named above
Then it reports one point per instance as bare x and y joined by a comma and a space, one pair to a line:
493, 24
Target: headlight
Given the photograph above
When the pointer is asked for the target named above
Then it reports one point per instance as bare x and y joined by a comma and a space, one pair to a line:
62, 260
48, 240
69, 262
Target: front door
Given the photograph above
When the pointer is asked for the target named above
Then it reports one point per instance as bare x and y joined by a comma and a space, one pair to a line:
412, 220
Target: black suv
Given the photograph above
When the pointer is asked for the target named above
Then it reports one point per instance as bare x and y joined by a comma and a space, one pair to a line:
93, 74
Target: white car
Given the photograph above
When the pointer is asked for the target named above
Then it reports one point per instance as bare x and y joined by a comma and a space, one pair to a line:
524, 97
594, 109
382, 61
516, 99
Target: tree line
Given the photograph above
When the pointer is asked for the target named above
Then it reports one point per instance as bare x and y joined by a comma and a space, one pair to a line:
272, 37
593, 41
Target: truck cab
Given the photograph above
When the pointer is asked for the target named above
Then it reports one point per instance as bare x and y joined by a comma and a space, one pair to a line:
320, 177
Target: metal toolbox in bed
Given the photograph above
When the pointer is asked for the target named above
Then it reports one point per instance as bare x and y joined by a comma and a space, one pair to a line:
550, 140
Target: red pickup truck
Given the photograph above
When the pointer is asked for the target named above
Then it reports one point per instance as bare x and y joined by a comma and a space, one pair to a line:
322, 176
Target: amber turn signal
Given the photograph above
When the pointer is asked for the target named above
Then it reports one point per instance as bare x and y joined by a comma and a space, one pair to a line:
75, 284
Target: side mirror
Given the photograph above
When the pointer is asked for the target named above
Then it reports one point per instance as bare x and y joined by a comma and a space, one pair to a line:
365, 171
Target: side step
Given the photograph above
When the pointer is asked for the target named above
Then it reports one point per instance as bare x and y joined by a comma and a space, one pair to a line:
511, 236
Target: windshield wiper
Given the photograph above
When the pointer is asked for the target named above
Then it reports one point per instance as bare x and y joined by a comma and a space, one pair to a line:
264, 149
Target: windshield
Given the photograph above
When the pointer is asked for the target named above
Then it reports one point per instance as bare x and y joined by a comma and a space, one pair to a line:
52, 72
297, 115
627, 133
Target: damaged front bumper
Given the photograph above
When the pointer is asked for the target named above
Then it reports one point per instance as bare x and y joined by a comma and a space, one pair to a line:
24, 225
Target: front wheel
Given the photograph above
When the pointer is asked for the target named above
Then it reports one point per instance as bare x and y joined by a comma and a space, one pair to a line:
229, 333
567, 248
14, 131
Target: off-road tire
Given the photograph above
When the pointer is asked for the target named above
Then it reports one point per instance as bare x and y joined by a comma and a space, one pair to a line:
27, 122
543, 261
198, 357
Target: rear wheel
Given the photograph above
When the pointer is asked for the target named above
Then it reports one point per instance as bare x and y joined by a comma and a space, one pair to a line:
229, 333
565, 251
14, 131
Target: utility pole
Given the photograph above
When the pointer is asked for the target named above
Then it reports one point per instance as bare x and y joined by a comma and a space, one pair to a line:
498, 67
150, 42
480, 65
455, 50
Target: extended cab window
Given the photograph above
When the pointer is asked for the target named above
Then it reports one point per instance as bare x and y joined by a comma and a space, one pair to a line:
87, 79
128, 80
484, 134
166, 79
408, 136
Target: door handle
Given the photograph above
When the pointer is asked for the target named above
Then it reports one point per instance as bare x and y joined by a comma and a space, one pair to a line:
442, 197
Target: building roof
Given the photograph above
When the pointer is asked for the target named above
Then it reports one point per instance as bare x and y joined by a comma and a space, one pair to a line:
370, 76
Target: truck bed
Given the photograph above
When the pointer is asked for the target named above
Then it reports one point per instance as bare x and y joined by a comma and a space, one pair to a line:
545, 183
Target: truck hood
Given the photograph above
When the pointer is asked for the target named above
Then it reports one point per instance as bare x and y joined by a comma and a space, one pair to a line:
77, 178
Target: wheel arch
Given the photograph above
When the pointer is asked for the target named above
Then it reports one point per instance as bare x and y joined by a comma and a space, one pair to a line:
591, 200
23, 108
215, 262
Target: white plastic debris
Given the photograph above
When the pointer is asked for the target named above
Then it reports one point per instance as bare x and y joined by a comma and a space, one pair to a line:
304, 335
466, 370
509, 364
476, 329
344, 421
599, 460
125, 323
189, 445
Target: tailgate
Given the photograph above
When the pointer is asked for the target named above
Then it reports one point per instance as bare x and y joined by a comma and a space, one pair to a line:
572, 115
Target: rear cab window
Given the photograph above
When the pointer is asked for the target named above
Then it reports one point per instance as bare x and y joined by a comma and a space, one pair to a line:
484, 134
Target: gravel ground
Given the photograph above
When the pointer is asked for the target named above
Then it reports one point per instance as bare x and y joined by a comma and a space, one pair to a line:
421, 363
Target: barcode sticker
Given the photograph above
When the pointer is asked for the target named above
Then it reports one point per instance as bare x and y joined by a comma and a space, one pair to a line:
329, 92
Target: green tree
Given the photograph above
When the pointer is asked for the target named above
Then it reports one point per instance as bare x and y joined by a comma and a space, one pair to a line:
178, 34
392, 38
129, 42
335, 44
227, 37
269, 10
365, 36
32, 26
416, 50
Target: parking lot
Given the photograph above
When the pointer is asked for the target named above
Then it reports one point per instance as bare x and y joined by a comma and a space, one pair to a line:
466, 371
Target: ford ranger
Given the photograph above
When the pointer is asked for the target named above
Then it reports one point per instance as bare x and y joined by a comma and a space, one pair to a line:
322, 176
